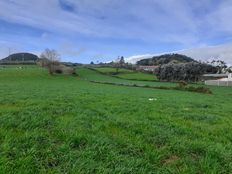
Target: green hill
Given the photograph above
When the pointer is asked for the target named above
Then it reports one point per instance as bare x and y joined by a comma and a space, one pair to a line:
19, 57
165, 59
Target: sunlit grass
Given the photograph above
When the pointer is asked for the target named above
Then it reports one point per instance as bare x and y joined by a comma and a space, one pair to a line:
127, 74
65, 124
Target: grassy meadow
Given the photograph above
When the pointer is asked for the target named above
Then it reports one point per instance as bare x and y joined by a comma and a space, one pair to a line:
93, 75
126, 74
66, 124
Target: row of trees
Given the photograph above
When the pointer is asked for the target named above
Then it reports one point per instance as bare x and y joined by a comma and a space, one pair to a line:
220, 65
119, 63
184, 72
165, 59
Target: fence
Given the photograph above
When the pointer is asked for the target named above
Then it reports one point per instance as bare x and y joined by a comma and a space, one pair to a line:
218, 83
29, 62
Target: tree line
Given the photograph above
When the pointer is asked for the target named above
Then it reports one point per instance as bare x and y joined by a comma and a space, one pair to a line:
165, 59
191, 71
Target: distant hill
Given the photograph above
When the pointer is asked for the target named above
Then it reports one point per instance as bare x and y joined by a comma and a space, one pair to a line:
20, 57
165, 59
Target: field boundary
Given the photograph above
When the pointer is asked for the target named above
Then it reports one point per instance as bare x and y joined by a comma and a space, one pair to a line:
187, 89
218, 83
124, 78
163, 81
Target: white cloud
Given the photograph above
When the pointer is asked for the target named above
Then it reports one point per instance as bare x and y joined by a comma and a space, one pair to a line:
5, 50
185, 23
70, 49
42, 14
222, 52
167, 20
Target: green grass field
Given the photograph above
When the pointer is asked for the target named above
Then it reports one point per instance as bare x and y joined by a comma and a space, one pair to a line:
127, 74
92, 75
66, 124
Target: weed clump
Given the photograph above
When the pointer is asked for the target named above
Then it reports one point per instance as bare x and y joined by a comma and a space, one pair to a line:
200, 89
78, 142
183, 84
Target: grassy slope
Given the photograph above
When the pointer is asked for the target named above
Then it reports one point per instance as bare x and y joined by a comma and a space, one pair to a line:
63, 124
128, 74
92, 75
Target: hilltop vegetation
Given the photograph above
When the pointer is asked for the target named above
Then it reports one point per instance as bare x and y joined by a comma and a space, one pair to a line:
165, 59
20, 57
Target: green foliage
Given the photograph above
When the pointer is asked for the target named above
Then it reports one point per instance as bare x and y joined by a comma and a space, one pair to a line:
165, 59
200, 89
65, 124
20, 57
183, 72
182, 84
219, 65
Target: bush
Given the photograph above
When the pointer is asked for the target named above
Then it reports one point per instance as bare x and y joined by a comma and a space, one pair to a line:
183, 84
62, 69
58, 71
200, 89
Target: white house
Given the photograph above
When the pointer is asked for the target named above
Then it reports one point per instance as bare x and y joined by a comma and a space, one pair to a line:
227, 79
221, 81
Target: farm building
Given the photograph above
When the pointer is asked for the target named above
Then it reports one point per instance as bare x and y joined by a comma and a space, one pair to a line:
214, 76
147, 68
219, 79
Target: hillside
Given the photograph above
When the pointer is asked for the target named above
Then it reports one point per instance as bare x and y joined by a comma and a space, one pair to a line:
126, 74
165, 59
18, 57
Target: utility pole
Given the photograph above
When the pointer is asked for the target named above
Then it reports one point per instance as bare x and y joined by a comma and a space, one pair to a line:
10, 54
23, 57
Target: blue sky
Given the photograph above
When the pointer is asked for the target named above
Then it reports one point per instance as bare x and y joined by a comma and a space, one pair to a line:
101, 30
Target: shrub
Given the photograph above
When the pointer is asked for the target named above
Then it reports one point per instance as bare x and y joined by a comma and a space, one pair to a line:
78, 142
58, 71
183, 84
200, 89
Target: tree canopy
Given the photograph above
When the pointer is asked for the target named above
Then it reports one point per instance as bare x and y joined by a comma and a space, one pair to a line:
165, 59
20, 57
191, 71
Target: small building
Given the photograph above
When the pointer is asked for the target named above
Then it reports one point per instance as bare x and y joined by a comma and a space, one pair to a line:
220, 80
147, 68
214, 76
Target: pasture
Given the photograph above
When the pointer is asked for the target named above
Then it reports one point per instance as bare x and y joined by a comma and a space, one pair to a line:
66, 124
127, 74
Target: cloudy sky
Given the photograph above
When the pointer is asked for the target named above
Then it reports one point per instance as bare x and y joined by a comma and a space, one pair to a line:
101, 30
